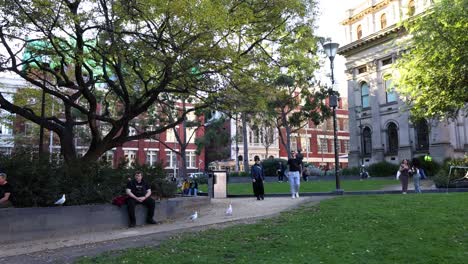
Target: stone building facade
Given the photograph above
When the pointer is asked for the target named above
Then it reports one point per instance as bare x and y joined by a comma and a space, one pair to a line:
380, 124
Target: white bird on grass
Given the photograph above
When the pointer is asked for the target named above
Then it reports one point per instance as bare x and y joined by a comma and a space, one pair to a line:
229, 210
61, 200
194, 216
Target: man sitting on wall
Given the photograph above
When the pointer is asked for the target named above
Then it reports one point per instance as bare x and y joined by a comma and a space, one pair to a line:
139, 192
5, 191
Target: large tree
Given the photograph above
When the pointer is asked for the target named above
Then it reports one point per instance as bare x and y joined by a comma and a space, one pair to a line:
110, 62
433, 73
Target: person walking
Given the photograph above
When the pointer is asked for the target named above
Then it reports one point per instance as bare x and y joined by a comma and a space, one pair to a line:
280, 171
295, 170
258, 177
415, 171
404, 175
139, 192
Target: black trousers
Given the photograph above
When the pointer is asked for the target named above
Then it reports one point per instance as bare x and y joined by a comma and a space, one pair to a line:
149, 203
259, 192
280, 175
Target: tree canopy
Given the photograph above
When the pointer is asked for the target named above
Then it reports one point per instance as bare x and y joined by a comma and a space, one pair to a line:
111, 63
434, 70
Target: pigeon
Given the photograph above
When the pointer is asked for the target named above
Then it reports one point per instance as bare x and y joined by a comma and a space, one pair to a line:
229, 210
61, 200
194, 216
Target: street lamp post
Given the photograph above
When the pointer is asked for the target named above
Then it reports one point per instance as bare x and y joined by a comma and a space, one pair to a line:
331, 49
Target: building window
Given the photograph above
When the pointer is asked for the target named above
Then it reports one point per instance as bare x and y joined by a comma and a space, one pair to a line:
390, 90
305, 144
323, 145
411, 8
359, 32
171, 158
422, 135
365, 95
383, 21
151, 157
190, 159
387, 61
130, 157
392, 134
367, 139
170, 135
346, 146
131, 131
293, 146
107, 157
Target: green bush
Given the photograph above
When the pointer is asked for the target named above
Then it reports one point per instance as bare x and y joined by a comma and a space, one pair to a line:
40, 182
442, 179
239, 174
271, 165
430, 167
383, 169
352, 171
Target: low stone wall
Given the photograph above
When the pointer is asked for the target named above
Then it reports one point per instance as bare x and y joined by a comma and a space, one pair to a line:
22, 224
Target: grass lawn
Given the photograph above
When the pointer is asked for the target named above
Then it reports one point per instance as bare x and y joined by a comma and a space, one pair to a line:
310, 186
427, 228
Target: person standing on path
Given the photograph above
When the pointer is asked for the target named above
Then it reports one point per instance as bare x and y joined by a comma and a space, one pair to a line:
258, 177
404, 175
139, 192
295, 170
415, 170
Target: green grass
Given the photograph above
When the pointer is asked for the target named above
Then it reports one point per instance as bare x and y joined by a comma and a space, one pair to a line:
428, 228
310, 186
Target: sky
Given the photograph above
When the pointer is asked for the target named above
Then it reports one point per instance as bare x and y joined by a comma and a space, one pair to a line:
332, 12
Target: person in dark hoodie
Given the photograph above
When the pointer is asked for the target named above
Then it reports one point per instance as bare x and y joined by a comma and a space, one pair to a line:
258, 177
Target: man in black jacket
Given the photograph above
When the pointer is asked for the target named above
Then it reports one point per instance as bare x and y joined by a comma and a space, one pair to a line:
258, 177
139, 192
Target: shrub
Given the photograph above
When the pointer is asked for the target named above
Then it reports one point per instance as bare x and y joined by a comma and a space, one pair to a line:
352, 171
442, 179
270, 166
430, 167
239, 174
41, 183
383, 169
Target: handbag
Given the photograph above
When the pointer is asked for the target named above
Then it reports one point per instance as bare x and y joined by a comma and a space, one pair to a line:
119, 200
398, 175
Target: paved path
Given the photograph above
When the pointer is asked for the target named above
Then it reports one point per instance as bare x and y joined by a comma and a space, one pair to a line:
66, 250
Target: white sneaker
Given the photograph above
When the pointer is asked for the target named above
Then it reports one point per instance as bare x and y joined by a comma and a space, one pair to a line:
293, 196
297, 195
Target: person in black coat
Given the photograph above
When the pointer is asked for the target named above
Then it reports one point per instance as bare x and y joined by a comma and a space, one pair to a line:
258, 177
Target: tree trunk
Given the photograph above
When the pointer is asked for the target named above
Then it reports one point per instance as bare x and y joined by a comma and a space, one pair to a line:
68, 147
244, 136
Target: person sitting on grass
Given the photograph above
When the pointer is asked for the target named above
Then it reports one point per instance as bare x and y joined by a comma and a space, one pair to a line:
139, 192
193, 187
5, 191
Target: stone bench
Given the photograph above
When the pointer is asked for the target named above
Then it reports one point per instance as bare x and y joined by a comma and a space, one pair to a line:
22, 224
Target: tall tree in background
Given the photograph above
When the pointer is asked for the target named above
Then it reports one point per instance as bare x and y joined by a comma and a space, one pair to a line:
109, 62
295, 106
433, 73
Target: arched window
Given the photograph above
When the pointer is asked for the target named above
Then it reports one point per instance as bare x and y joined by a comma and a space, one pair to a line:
359, 32
365, 95
367, 141
383, 21
411, 8
422, 135
392, 134
390, 89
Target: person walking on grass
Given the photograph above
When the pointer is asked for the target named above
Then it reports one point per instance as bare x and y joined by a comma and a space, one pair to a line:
295, 170
258, 177
404, 175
